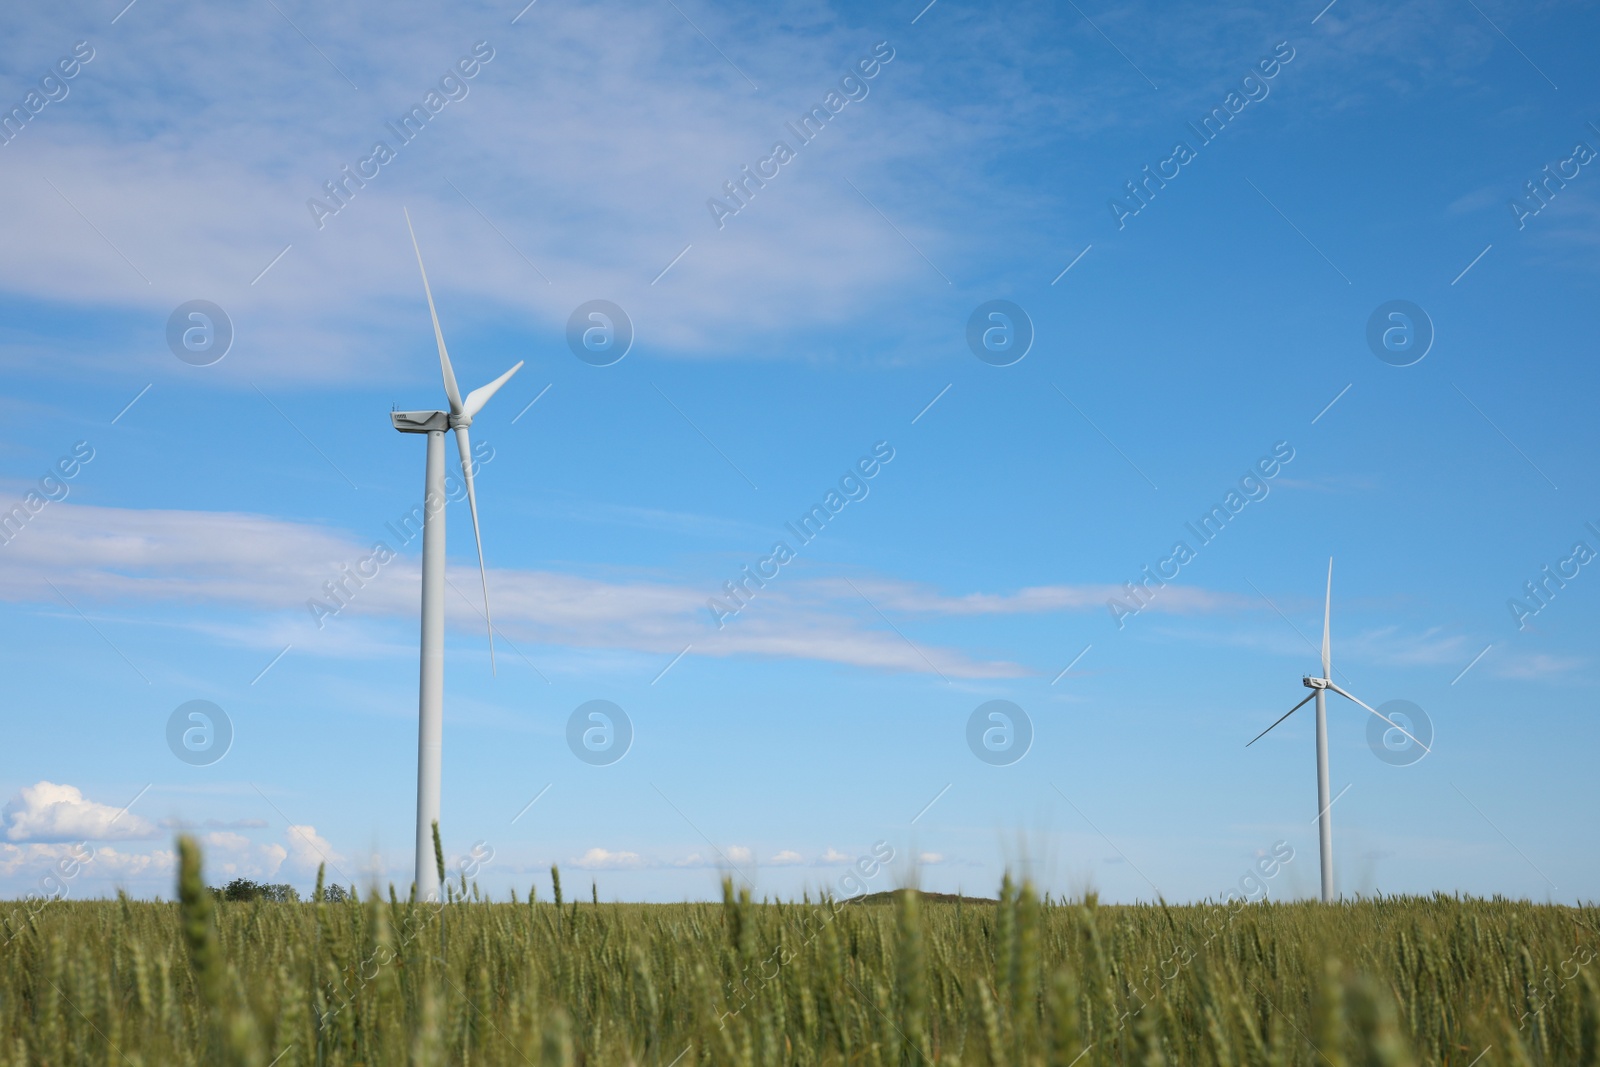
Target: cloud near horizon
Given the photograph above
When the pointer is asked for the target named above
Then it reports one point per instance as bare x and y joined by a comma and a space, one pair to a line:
51, 828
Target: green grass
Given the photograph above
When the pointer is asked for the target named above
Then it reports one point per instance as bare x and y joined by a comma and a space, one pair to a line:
386, 982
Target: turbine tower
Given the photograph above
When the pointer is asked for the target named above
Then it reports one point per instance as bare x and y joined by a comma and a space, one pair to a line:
430, 698
1319, 691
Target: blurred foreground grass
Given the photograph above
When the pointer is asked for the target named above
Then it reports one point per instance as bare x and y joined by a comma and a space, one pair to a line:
387, 982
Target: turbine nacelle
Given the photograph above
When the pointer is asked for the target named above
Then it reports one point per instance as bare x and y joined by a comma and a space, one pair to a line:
1315, 683
420, 421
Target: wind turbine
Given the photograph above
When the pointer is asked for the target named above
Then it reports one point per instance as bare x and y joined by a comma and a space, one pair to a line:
1319, 691
430, 698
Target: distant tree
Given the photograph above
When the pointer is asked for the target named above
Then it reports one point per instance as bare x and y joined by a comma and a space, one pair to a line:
245, 889
335, 894
240, 889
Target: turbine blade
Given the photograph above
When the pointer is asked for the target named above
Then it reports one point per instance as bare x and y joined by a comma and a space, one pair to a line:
1379, 714
1327, 610
450, 388
464, 446
1286, 714
480, 396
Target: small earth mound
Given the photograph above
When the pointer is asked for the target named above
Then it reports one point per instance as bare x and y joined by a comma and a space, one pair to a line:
888, 897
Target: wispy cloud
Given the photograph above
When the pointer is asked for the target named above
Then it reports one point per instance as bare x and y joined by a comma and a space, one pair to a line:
165, 164
1537, 666
1387, 645
1397, 646
271, 568
201, 172
924, 600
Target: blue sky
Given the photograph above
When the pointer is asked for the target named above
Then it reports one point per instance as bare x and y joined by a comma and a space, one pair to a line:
774, 348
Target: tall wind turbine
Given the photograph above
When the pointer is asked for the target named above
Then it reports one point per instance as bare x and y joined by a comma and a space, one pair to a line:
1319, 690
430, 699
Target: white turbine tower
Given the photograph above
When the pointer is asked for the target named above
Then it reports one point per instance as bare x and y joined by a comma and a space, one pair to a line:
430, 699
1319, 690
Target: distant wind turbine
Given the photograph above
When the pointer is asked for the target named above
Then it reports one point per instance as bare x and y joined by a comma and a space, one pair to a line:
1319, 690
430, 699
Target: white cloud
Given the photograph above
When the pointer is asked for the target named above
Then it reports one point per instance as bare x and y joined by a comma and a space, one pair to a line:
930, 859
308, 849
600, 859
58, 860
786, 858
225, 841
831, 857
59, 814
161, 861
1537, 666
735, 855
50, 812
227, 855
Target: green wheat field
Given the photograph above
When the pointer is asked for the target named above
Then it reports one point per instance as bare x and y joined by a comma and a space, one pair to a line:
897, 980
